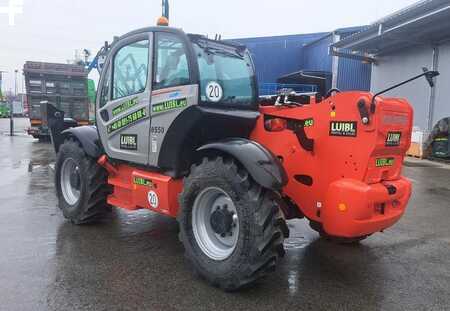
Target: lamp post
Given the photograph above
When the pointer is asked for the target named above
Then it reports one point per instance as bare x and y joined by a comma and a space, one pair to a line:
11, 113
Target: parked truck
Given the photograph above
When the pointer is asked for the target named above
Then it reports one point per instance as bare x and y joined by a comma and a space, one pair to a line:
63, 85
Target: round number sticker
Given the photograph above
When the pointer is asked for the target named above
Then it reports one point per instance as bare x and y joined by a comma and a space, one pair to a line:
214, 91
153, 199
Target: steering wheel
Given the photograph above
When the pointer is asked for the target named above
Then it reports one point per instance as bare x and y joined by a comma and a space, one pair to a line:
331, 91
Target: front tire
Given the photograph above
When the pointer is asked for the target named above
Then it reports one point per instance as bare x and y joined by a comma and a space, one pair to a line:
81, 185
232, 229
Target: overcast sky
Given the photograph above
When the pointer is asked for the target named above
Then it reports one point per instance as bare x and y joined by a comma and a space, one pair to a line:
51, 30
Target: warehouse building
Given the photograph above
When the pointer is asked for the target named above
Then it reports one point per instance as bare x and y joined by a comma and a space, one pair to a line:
310, 52
398, 47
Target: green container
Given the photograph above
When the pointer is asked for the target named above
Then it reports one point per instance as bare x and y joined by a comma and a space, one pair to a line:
441, 147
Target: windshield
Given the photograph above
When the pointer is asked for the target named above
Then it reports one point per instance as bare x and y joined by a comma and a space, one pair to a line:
226, 75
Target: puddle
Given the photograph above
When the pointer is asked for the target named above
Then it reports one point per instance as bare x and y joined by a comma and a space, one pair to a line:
297, 242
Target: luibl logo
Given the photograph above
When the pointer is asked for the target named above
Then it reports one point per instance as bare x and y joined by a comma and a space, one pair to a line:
14, 7
393, 139
343, 128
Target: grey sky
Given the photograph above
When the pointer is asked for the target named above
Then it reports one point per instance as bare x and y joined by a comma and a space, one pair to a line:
51, 30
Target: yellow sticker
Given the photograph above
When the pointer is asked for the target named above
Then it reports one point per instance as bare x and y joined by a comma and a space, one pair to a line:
332, 114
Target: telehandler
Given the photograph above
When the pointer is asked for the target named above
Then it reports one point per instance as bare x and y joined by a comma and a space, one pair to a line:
180, 130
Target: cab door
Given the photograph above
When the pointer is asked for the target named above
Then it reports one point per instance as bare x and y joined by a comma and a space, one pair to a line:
123, 101
174, 90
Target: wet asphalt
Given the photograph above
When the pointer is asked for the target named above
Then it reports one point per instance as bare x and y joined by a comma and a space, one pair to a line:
134, 261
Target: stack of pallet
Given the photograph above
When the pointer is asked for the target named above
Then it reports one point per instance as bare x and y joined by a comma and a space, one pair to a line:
416, 149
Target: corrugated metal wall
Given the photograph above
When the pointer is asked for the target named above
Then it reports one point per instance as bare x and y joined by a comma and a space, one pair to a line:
277, 56
353, 75
315, 55
281, 55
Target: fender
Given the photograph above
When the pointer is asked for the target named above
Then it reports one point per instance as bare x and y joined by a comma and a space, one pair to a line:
261, 164
87, 135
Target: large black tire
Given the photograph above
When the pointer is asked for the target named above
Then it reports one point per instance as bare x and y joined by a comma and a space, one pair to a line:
91, 205
262, 227
316, 226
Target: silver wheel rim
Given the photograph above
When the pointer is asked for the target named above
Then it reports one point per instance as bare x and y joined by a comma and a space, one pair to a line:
214, 245
69, 187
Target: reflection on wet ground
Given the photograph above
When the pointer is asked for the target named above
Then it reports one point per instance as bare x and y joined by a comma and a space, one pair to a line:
134, 261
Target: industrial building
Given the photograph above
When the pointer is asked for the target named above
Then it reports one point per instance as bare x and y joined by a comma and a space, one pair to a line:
310, 52
398, 47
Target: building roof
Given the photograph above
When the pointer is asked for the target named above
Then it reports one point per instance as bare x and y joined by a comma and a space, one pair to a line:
426, 22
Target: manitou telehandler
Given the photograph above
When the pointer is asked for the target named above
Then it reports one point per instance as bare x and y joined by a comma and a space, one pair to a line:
180, 130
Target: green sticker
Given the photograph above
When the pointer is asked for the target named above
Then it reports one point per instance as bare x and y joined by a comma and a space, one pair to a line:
169, 105
384, 162
143, 182
127, 120
308, 122
125, 106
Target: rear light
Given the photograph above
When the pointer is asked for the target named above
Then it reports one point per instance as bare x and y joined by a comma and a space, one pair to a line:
275, 125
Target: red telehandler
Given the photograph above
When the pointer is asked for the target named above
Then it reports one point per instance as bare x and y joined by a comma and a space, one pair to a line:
180, 130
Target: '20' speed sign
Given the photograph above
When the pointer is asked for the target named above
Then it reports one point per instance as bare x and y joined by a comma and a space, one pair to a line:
214, 91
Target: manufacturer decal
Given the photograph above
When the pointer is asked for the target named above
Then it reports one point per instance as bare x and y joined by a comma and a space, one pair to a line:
308, 122
169, 105
395, 120
343, 128
127, 120
125, 106
382, 162
393, 139
214, 92
174, 94
144, 182
153, 199
128, 141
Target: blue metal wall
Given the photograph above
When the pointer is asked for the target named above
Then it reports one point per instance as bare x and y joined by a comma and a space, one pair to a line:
353, 75
281, 55
277, 56
315, 55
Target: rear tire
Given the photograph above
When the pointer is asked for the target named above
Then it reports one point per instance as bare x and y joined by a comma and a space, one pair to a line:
260, 232
82, 198
317, 226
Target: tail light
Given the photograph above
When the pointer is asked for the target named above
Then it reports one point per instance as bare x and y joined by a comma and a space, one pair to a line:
275, 125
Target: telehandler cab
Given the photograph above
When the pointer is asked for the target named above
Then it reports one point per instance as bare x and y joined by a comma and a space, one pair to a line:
180, 130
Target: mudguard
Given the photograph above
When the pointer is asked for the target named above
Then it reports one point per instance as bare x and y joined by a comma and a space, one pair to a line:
61, 128
87, 135
261, 164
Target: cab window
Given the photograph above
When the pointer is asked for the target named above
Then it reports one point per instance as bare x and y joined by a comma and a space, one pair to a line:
105, 87
130, 69
171, 62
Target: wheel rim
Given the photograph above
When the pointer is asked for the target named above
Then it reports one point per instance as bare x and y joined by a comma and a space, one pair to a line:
70, 181
215, 223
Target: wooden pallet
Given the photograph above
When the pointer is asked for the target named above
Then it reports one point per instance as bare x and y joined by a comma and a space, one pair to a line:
416, 151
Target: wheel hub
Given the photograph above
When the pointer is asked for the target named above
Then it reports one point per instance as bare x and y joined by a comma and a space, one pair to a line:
221, 220
75, 179
215, 223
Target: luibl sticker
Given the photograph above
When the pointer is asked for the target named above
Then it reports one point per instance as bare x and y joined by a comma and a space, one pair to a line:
127, 120
169, 105
343, 128
393, 139
128, 141
125, 106
141, 181
382, 162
